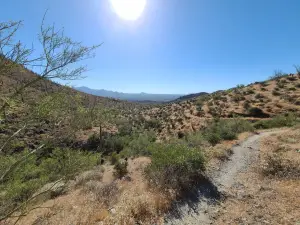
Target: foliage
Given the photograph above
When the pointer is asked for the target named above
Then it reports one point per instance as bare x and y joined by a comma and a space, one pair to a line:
139, 145
175, 166
256, 112
33, 173
225, 130
114, 158
120, 169
277, 75
288, 120
279, 166
152, 124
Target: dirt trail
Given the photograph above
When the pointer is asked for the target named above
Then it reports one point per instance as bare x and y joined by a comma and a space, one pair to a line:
201, 206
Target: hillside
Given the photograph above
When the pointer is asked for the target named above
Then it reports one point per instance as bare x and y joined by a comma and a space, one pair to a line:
134, 97
115, 157
256, 101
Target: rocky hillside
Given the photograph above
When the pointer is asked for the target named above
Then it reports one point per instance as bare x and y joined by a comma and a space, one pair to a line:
260, 100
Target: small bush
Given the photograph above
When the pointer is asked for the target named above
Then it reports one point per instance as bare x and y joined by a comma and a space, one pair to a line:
34, 173
257, 112
139, 145
278, 166
114, 158
226, 130
259, 96
152, 124
263, 89
276, 93
292, 89
104, 193
88, 176
278, 121
277, 75
175, 166
120, 169
246, 105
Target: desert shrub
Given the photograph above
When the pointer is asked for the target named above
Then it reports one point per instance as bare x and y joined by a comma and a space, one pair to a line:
152, 124
280, 85
277, 75
125, 128
139, 145
88, 176
107, 144
175, 166
264, 84
239, 86
104, 193
256, 112
278, 166
278, 121
246, 105
297, 85
259, 96
114, 158
226, 130
250, 91
292, 89
29, 176
291, 78
180, 135
263, 89
120, 169
276, 93
195, 139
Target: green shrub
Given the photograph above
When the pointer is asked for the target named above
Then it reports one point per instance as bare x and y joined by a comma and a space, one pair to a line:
120, 169
175, 166
276, 93
195, 139
263, 89
152, 124
256, 112
34, 173
246, 104
139, 145
278, 121
226, 130
292, 89
259, 96
114, 158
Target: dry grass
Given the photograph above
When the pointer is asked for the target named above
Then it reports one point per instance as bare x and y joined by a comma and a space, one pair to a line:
87, 176
282, 160
191, 115
97, 202
271, 199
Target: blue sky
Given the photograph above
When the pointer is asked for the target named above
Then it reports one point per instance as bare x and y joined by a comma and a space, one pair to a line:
176, 46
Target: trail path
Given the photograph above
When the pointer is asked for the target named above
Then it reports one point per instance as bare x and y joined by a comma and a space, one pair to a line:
200, 206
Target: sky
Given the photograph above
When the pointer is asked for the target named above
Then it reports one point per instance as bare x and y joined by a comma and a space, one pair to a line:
175, 46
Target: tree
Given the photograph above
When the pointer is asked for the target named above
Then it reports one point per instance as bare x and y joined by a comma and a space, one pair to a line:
59, 53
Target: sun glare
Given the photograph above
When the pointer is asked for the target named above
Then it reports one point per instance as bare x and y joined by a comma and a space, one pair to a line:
128, 9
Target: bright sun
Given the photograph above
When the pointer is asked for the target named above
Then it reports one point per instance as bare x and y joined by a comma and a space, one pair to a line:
128, 9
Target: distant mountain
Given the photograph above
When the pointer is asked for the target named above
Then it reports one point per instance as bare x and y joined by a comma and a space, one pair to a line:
190, 96
134, 97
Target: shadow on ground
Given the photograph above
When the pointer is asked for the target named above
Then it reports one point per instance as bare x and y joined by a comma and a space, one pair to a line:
204, 191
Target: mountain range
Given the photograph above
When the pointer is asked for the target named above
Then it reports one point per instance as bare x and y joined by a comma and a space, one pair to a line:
134, 97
